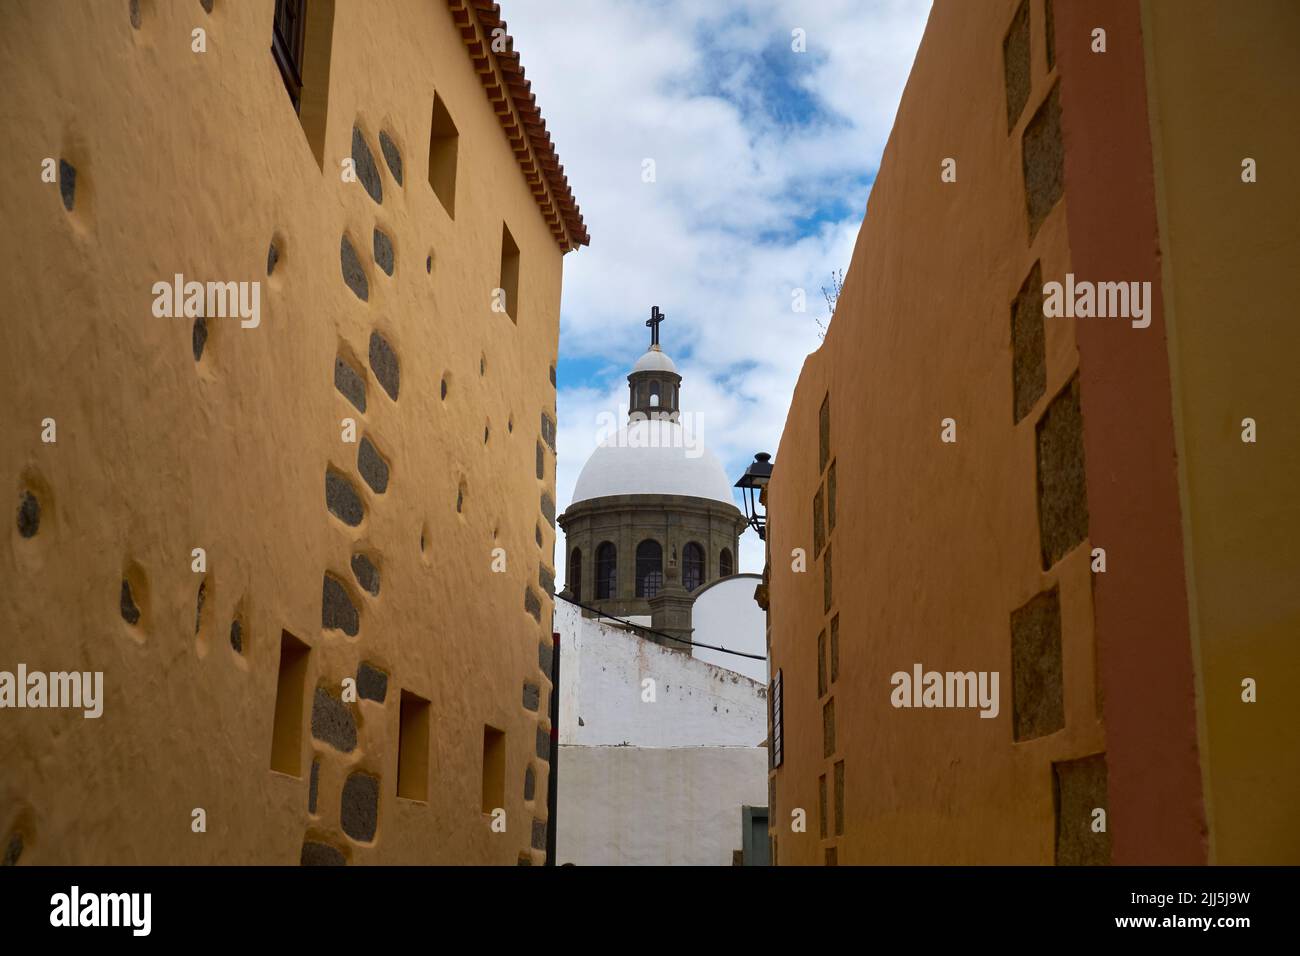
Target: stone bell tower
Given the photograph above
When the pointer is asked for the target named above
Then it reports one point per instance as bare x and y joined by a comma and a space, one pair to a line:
653, 517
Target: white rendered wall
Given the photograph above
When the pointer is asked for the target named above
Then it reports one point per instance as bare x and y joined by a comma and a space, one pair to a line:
697, 704
655, 806
726, 615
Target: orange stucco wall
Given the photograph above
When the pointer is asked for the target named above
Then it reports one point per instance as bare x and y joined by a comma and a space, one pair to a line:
1229, 251
194, 163
1144, 645
934, 544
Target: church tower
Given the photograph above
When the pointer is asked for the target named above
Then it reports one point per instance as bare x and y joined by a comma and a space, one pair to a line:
652, 519
654, 387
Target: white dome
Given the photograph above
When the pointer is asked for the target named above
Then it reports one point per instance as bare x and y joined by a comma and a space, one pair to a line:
653, 457
654, 360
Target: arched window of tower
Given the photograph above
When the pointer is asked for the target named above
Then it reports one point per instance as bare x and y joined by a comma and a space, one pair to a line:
692, 566
606, 570
649, 568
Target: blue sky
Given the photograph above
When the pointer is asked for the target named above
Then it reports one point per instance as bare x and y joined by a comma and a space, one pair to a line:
764, 158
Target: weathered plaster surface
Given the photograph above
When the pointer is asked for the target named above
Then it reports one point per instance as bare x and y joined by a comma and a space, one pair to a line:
934, 544
654, 806
195, 163
697, 704
1228, 256
652, 781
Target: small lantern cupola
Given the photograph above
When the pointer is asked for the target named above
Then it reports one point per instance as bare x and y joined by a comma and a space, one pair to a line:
654, 387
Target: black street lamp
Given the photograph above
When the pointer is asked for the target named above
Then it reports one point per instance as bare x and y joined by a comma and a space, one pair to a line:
752, 483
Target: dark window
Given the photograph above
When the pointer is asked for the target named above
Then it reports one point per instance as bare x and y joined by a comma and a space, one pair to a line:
819, 520
821, 663
649, 568
826, 580
606, 571
839, 798
824, 434
754, 839
1051, 34
835, 648
287, 39
830, 499
654, 394
776, 753
692, 566
828, 728
510, 273
444, 142
575, 574
724, 563
302, 39
286, 727
413, 747
494, 768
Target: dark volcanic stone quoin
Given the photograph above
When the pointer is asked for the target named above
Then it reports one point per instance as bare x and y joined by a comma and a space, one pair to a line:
392, 156
332, 721
337, 610
29, 515
372, 466
353, 274
383, 362
367, 171
342, 500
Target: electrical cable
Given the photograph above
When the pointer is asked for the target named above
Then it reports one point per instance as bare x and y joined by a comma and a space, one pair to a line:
650, 630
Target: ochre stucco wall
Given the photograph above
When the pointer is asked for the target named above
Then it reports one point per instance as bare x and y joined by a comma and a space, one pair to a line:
193, 163
1226, 82
934, 544
1144, 644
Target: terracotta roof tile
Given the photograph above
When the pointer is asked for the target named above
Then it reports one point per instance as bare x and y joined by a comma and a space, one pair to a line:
527, 134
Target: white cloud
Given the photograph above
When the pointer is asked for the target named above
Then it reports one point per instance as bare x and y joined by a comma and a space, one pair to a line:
763, 159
